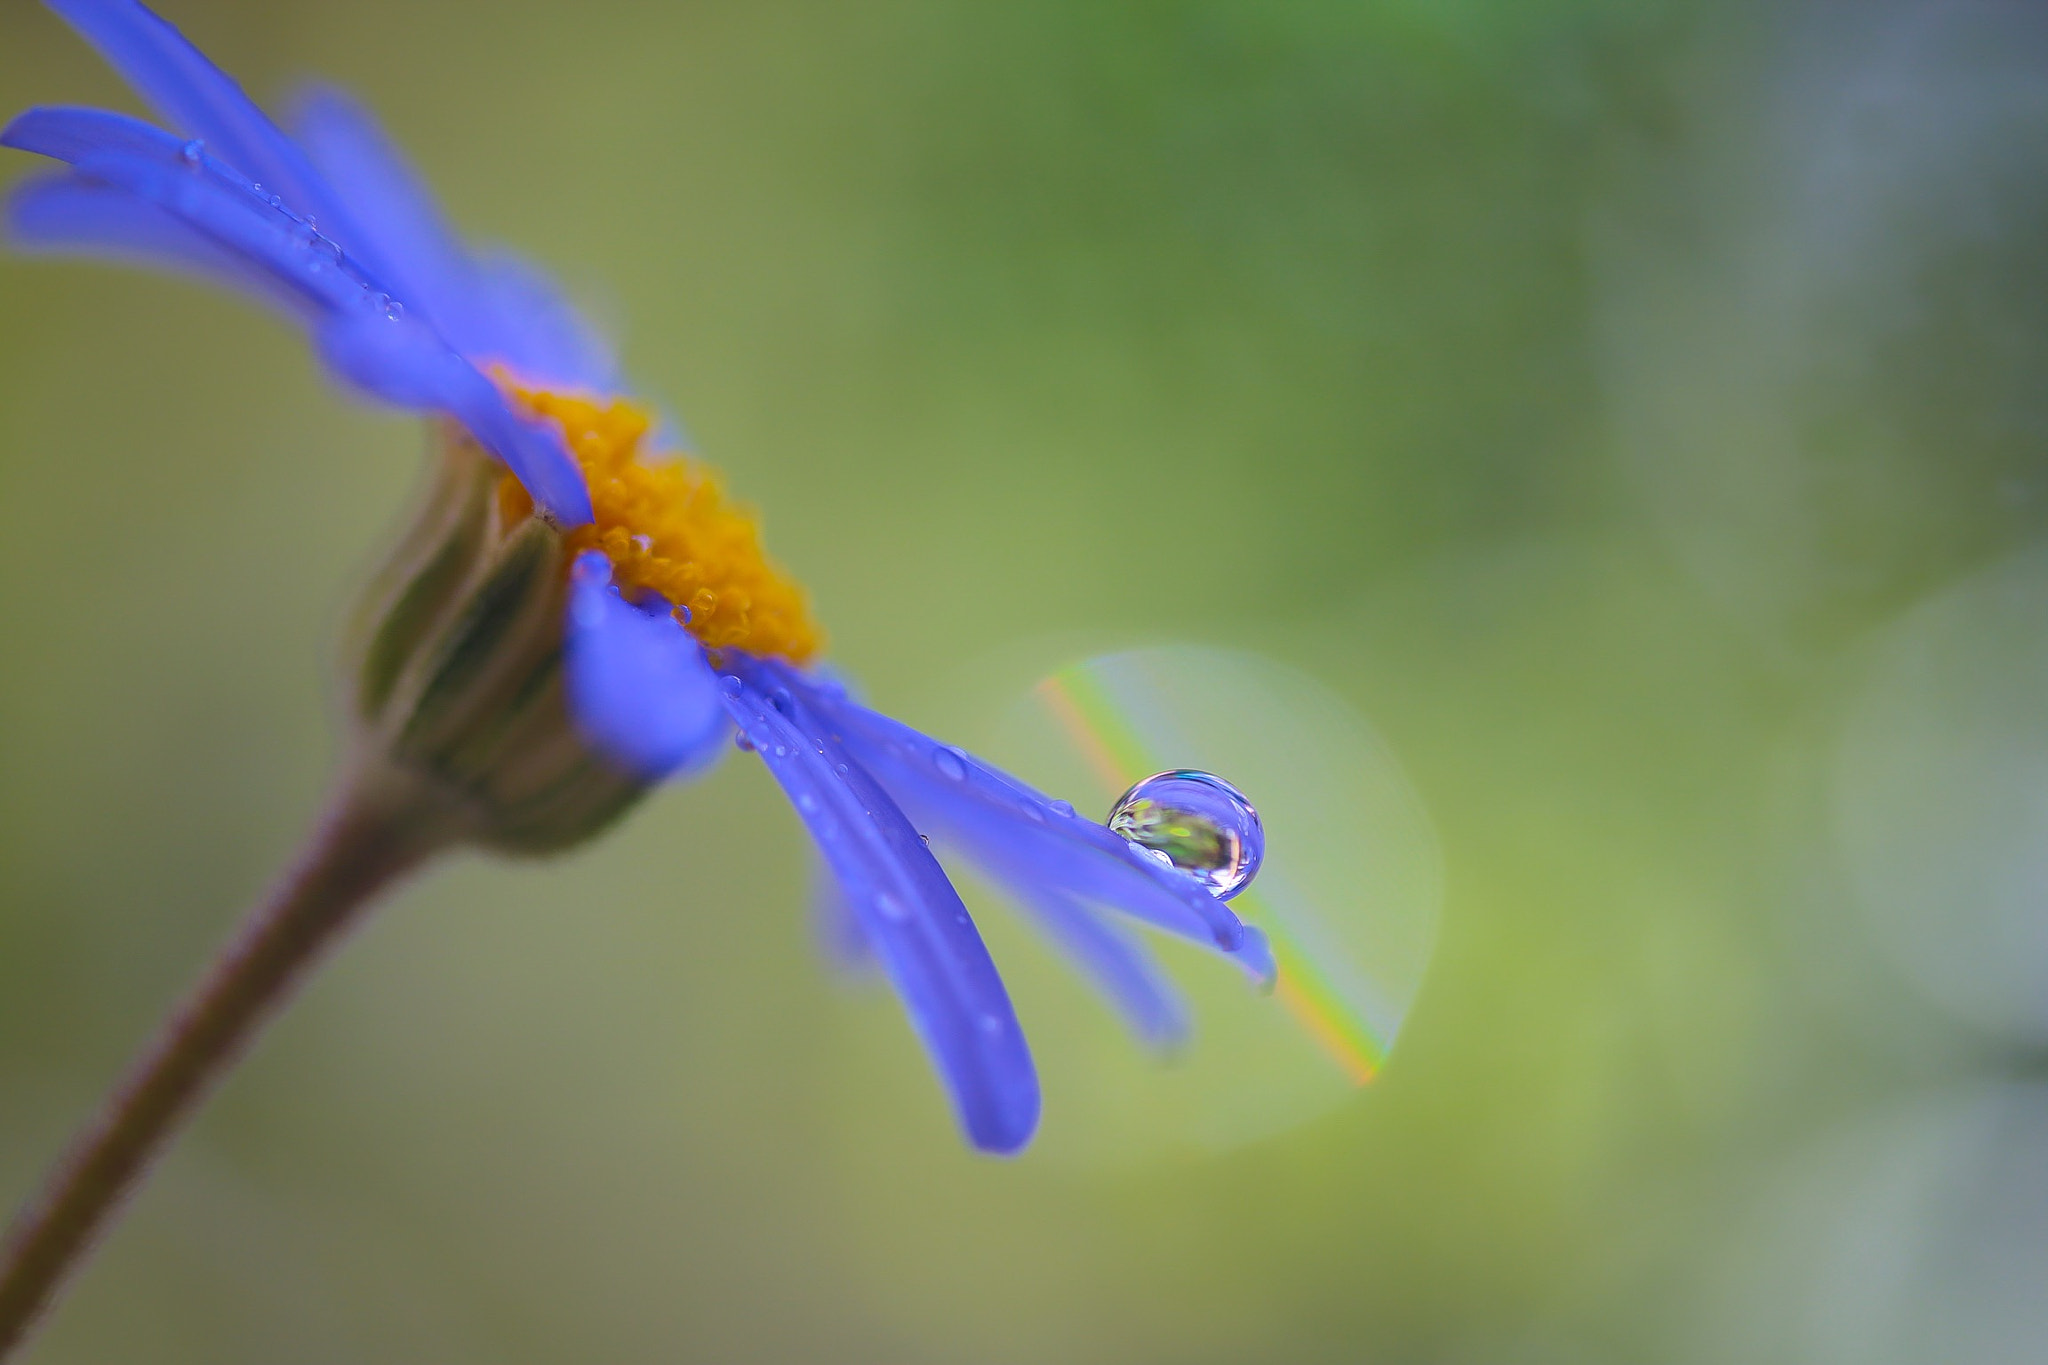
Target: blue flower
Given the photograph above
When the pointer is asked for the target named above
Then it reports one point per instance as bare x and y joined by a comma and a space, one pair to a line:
673, 628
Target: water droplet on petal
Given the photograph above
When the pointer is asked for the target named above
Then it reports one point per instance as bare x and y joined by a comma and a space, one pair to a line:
782, 701
393, 309
1196, 822
193, 152
990, 1024
741, 742
732, 685
951, 761
1063, 809
891, 908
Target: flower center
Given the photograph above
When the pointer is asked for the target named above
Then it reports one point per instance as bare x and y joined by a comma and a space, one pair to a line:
667, 527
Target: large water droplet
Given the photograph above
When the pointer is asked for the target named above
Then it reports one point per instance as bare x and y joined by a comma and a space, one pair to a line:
951, 761
1197, 822
193, 152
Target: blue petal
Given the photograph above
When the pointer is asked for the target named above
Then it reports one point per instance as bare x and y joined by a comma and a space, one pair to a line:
1120, 966
399, 232
1000, 819
363, 333
66, 213
199, 97
200, 190
920, 931
535, 330
498, 308
638, 684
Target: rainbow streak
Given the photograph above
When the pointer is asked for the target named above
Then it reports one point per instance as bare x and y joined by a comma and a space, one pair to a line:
1119, 758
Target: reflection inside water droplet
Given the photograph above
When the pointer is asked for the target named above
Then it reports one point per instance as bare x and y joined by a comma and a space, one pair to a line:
1196, 822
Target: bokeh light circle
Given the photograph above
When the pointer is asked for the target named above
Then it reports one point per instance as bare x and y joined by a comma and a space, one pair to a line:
1349, 894
1941, 797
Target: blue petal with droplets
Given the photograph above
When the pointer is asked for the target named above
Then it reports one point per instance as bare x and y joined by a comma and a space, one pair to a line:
362, 331
494, 308
638, 685
911, 915
997, 818
400, 233
198, 97
63, 213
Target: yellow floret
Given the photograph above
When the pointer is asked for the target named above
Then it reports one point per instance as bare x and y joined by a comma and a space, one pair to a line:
667, 528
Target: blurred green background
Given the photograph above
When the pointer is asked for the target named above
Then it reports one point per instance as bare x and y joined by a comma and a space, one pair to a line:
1637, 410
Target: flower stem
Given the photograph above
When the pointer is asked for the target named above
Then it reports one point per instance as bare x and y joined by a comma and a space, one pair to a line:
380, 826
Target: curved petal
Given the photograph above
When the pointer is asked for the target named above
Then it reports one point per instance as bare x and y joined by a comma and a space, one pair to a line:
204, 192
638, 684
920, 931
64, 213
197, 96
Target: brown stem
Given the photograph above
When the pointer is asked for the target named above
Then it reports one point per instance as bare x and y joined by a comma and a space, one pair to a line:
380, 826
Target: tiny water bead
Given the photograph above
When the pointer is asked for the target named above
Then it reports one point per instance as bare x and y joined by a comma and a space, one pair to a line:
1196, 822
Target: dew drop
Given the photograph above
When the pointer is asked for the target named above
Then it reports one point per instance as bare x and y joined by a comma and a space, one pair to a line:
891, 908
193, 153
741, 742
990, 1024
1195, 822
782, 701
732, 685
1063, 809
951, 761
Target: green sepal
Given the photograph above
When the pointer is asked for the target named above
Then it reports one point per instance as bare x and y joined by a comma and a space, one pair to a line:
458, 668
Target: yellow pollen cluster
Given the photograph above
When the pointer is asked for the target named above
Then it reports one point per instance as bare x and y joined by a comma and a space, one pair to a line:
668, 528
